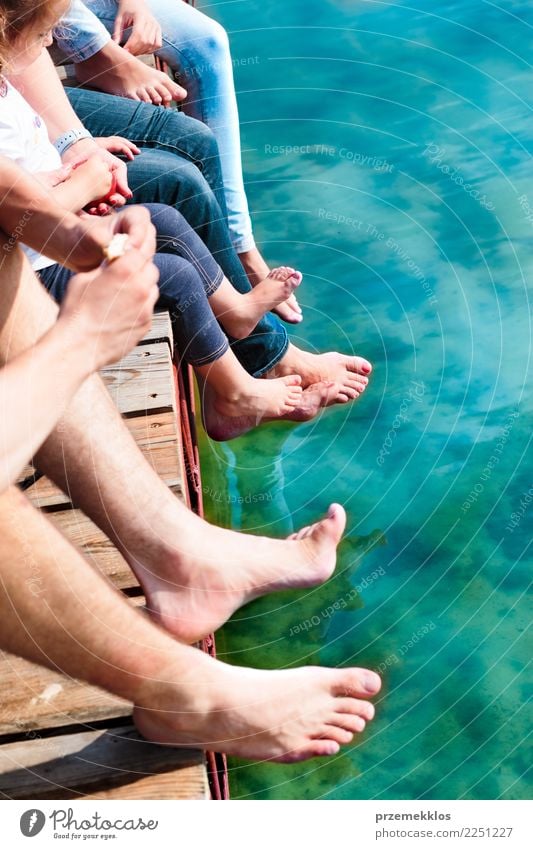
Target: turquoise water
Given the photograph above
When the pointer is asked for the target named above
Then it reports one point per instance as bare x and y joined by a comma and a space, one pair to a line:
408, 205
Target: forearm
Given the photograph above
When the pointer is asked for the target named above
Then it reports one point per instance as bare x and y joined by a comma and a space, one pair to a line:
35, 389
29, 213
73, 194
80, 33
41, 87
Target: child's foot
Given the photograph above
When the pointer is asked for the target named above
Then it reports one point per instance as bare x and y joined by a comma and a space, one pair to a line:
257, 269
290, 311
223, 428
275, 289
262, 399
349, 373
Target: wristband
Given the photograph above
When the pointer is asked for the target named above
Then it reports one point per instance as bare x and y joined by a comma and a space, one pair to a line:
65, 141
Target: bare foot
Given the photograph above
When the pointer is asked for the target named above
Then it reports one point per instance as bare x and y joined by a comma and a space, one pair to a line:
261, 399
256, 270
116, 71
277, 286
349, 374
196, 590
223, 428
285, 716
290, 311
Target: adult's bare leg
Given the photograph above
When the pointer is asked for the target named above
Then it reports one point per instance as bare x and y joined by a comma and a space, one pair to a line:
194, 575
71, 619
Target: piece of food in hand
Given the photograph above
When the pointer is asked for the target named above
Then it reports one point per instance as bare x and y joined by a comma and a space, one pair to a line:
116, 247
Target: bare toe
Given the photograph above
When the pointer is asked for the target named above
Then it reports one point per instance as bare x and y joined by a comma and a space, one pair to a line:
292, 380
350, 393
315, 749
303, 532
355, 707
357, 682
339, 735
358, 364
354, 724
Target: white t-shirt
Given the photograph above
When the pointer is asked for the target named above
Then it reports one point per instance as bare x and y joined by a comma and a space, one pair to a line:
24, 139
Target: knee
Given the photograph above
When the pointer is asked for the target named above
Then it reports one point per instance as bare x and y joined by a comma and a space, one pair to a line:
166, 219
191, 185
214, 47
206, 143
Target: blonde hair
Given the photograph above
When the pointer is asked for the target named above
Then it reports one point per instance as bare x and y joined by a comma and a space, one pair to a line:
19, 16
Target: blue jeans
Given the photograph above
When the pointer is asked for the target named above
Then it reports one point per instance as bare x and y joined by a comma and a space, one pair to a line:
188, 276
197, 49
179, 166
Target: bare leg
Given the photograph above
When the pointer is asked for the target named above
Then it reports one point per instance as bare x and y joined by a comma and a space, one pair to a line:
239, 394
240, 313
177, 557
79, 624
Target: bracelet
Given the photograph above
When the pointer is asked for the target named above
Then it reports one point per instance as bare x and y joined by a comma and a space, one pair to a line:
65, 141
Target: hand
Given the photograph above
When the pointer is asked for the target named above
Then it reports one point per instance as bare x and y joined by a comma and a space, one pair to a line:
109, 310
118, 145
146, 35
136, 222
95, 233
89, 147
96, 174
51, 179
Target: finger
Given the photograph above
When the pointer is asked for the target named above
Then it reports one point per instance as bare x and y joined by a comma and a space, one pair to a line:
122, 148
135, 221
121, 173
118, 29
135, 44
103, 209
117, 201
129, 149
116, 144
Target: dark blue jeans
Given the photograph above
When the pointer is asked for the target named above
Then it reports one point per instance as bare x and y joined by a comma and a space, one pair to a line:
179, 166
188, 277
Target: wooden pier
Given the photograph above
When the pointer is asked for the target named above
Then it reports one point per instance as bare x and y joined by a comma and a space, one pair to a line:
61, 738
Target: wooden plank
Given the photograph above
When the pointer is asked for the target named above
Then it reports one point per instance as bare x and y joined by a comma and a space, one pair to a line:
97, 548
161, 330
34, 697
112, 764
153, 429
142, 381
